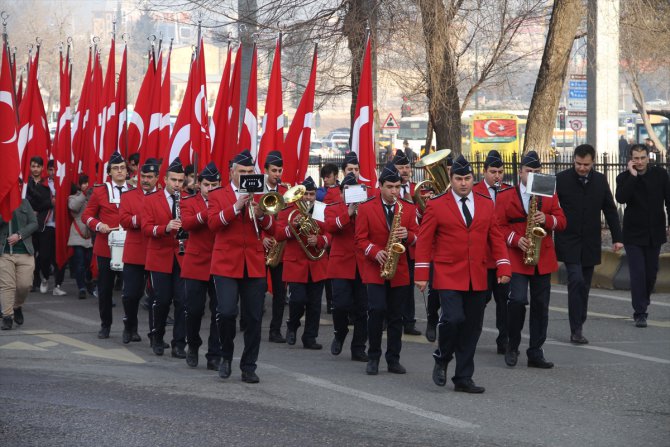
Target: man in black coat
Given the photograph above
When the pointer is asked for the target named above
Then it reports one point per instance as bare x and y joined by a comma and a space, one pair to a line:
644, 189
583, 193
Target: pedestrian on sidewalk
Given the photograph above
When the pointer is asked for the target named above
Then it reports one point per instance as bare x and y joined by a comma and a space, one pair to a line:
80, 236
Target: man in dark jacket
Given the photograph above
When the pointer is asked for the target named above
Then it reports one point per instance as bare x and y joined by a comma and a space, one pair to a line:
583, 193
644, 189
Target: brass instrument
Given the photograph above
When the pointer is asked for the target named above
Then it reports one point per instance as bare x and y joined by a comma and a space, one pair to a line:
252, 217
272, 203
533, 234
181, 235
306, 225
394, 248
437, 172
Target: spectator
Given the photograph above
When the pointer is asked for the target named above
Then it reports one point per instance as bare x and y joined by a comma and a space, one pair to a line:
623, 149
133, 163
652, 150
16, 262
80, 236
190, 185
644, 189
328, 175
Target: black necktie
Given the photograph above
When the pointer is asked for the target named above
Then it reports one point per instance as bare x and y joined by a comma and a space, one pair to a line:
389, 214
466, 212
584, 180
120, 188
174, 205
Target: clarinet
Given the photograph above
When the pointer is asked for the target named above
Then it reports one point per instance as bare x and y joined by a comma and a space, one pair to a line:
181, 235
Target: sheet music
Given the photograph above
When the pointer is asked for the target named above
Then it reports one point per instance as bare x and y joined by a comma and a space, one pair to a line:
355, 194
319, 211
541, 184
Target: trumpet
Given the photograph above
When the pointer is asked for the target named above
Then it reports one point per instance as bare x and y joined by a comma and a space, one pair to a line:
306, 226
437, 172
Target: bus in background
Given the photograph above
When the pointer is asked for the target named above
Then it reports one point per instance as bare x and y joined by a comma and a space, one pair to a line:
414, 129
487, 130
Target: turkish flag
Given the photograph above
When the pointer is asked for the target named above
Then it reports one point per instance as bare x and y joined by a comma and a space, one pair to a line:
10, 195
494, 130
201, 147
122, 105
299, 135
138, 124
362, 134
107, 117
249, 131
232, 129
80, 121
219, 121
152, 148
164, 128
272, 138
90, 157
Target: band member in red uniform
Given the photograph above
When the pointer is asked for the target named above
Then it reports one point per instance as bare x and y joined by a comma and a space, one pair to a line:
512, 210
350, 296
135, 247
198, 282
349, 165
273, 171
102, 216
490, 186
404, 168
375, 219
305, 277
459, 231
161, 225
238, 266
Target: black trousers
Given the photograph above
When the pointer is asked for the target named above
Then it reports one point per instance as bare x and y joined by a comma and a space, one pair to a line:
643, 267
350, 298
105, 290
44, 243
579, 285
500, 293
168, 288
194, 309
385, 301
251, 292
134, 281
459, 330
278, 297
408, 308
305, 299
540, 288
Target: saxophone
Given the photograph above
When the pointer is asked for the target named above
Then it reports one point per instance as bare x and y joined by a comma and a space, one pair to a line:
394, 248
534, 235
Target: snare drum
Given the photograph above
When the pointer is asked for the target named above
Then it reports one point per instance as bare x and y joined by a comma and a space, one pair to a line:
116, 240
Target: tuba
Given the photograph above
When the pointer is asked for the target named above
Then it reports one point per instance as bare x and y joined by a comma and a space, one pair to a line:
394, 248
306, 225
533, 234
437, 172
272, 203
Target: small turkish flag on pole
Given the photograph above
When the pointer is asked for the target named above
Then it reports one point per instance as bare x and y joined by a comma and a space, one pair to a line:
362, 134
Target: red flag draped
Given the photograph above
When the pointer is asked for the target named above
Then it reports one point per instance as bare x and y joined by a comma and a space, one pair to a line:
201, 146
219, 121
34, 138
122, 106
90, 156
62, 159
19, 93
152, 149
299, 135
362, 134
273, 120
138, 124
80, 122
10, 195
234, 94
249, 131
164, 129
180, 140
108, 118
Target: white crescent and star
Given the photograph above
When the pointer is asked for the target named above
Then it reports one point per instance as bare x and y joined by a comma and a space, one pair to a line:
498, 128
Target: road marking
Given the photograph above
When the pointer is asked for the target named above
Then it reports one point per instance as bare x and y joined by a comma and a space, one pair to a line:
614, 317
119, 354
21, 346
69, 317
46, 344
595, 348
613, 297
380, 400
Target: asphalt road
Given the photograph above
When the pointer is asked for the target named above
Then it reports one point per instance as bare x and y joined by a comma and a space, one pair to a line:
60, 385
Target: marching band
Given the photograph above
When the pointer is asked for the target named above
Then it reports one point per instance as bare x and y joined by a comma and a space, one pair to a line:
461, 242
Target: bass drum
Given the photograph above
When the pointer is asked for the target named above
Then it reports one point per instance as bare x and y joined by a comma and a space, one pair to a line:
116, 240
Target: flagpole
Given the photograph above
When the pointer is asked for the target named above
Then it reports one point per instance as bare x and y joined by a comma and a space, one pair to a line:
125, 118
197, 55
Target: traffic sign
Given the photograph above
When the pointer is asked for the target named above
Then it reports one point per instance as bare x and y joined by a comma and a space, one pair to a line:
391, 123
576, 125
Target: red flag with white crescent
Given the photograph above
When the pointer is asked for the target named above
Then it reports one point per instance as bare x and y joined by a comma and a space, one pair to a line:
362, 133
249, 131
80, 121
272, 138
180, 140
10, 194
201, 147
107, 116
232, 128
90, 155
138, 121
164, 129
122, 106
299, 134
219, 121
152, 148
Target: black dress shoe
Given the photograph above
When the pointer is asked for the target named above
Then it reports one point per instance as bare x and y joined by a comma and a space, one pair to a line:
103, 332
336, 346
6, 323
411, 330
276, 337
290, 337
431, 332
396, 368
468, 386
511, 356
578, 339
224, 369
18, 316
192, 357
82, 294
312, 344
126, 336
502, 349
178, 352
250, 377
214, 364
440, 373
540, 363
157, 345
373, 367
359, 356
134, 336
641, 322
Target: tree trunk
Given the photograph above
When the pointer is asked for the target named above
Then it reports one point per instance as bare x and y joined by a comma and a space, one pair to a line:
443, 103
565, 20
638, 98
248, 13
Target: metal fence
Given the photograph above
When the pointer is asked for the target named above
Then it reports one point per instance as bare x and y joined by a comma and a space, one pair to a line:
609, 165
